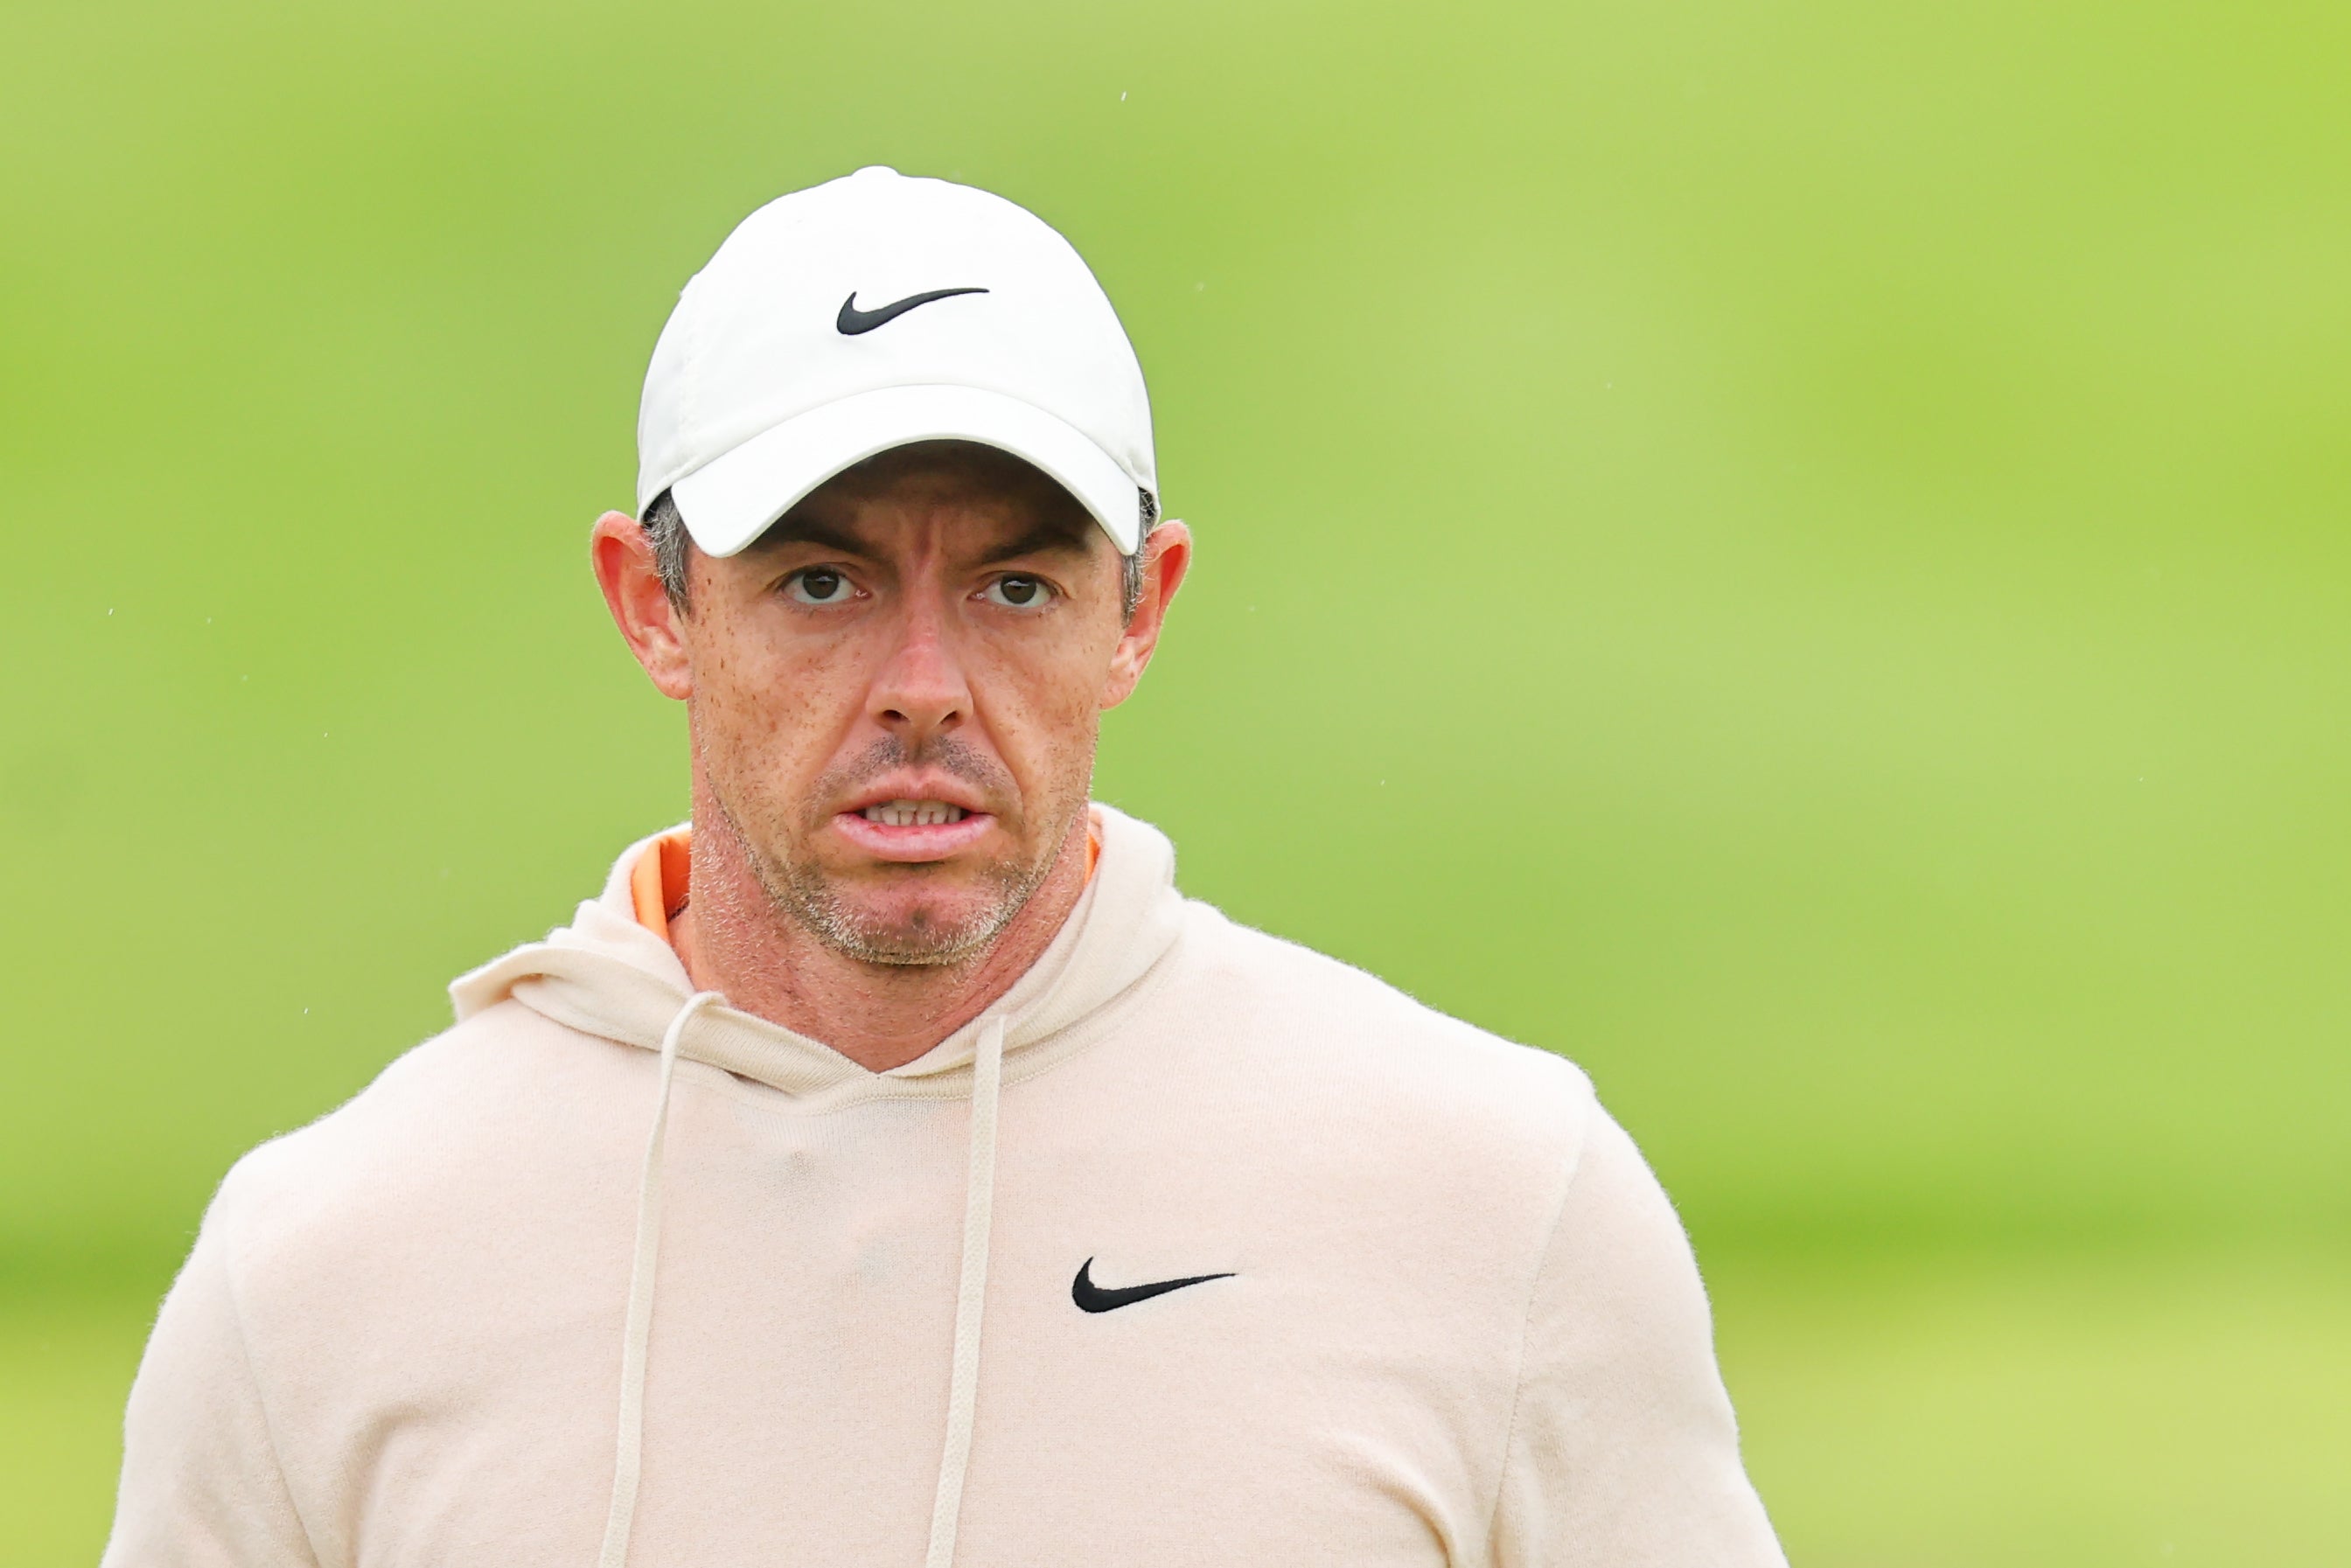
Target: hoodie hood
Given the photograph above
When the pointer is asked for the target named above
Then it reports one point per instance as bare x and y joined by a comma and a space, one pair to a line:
607, 975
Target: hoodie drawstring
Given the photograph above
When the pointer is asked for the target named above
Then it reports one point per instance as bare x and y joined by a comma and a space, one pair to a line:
628, 1452
971, 1293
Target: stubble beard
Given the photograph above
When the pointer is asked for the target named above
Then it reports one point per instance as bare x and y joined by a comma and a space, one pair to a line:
802, 891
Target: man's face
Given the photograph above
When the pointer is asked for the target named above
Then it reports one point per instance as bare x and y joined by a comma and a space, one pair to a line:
895, 695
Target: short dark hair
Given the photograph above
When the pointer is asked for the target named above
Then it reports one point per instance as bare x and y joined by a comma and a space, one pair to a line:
665, 531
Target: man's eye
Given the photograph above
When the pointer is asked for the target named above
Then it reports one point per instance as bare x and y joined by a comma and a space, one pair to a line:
1020, 593
818, 585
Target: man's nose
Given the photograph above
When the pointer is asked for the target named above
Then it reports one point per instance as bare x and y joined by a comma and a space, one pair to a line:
920, 690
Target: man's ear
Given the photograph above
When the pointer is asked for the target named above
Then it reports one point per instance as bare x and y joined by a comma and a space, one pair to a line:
653, 627
1166, 557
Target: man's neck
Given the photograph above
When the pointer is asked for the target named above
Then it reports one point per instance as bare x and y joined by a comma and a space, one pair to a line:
733, 940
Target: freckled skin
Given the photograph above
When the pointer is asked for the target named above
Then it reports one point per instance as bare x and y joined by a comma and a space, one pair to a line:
874, 640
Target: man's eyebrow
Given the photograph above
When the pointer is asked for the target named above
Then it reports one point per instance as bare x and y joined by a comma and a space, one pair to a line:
795, 528
1043, 540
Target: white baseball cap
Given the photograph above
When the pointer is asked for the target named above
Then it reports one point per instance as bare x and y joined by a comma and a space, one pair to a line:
872, 311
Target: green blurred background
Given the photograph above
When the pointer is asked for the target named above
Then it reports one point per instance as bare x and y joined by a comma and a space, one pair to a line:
1795, 554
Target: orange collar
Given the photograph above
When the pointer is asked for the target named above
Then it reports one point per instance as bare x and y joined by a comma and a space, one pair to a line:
657, 883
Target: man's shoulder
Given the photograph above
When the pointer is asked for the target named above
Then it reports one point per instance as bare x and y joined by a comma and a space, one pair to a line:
1311, 1015
439, 1132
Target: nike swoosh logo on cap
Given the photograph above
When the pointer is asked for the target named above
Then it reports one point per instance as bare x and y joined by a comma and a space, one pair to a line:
852, 321
1094, 1297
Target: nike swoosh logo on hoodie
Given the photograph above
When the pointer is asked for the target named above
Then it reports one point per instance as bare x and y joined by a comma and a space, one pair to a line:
1094, 1297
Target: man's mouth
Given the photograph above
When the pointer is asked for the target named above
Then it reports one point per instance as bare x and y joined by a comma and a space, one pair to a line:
912, 813
915, 830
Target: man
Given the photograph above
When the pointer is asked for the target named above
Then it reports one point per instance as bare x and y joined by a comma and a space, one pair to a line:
895, 1168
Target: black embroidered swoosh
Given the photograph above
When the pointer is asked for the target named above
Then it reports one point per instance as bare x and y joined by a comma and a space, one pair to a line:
1094, 1297
852, 321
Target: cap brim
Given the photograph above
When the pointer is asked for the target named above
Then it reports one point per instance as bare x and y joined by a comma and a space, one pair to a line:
730, 500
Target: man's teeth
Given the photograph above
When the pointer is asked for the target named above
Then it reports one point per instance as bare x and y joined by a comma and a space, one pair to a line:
912, 813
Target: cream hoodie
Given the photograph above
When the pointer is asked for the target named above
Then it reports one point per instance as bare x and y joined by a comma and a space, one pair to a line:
607, 1274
